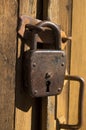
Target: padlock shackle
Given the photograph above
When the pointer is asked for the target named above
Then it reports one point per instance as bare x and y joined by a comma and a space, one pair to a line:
56, 30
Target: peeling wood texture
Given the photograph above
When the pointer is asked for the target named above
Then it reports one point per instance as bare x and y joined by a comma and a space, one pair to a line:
78, 57
8, 25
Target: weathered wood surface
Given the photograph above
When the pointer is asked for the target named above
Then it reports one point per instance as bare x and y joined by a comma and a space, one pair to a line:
78, 57
58, 12
50, 101
28, 7
25, 106
65, 9
8, 25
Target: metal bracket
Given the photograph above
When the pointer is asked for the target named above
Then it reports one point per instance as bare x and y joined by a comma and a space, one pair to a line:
80, 103
45, 36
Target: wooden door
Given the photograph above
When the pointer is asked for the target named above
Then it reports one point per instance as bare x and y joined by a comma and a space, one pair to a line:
8, 24
42, 113
78, 57
18, 110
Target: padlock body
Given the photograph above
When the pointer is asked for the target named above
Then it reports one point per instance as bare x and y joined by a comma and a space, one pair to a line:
46, 72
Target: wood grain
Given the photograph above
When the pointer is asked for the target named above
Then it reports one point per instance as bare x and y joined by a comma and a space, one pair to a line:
58, 12
25, 105
65, 8
50, 101
28, 7
78, 57
8, 25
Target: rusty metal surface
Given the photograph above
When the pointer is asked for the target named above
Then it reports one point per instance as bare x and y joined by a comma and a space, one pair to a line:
46, 73
43, 37
80, 104
56, 32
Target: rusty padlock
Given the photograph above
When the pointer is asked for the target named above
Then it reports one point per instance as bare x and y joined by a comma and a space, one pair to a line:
45, 69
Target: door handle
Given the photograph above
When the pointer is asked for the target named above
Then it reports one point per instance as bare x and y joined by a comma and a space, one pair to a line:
80, 103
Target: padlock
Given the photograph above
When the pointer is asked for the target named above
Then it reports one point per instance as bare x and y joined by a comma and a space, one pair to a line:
45, 68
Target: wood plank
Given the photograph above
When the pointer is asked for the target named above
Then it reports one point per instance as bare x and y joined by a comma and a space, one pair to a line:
50, 101
65, 8
78, 57
8, 24
28, 7
51, 10
25, 105
58, 12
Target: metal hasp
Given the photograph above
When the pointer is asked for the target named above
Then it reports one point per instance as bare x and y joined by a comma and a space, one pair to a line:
80, 104
45, 68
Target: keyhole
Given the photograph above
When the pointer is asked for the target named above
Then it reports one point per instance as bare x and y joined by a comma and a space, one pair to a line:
48, 83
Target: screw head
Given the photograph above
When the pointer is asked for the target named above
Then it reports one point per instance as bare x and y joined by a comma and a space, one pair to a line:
63, 55
34, 64
62, 64
59, 89
35, 92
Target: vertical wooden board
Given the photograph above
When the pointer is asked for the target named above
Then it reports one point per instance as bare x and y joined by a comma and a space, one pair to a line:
28, 7
65, 7
78, 55
58, 12
8, 24
25, 105
51, 12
